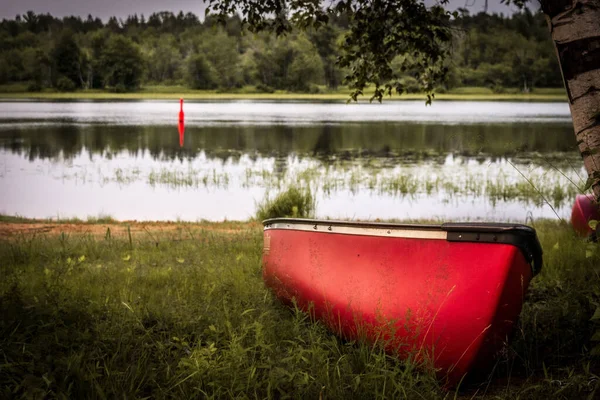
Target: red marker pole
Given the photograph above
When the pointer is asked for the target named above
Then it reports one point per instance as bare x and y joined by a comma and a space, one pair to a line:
181, 110
181, 124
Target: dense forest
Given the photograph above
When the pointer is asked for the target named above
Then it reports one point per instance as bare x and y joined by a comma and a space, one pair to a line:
40, 51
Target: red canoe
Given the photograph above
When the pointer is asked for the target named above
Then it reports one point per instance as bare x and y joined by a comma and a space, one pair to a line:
585, 209
450, 294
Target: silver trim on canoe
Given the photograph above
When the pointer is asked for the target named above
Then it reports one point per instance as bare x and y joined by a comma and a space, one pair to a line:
365, 230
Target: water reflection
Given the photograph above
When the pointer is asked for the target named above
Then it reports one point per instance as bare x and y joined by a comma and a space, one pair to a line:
322, 141
451, 161
181, 130
199, 113
148, 188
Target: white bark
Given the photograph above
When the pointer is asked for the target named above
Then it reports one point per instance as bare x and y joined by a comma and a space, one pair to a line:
575, 29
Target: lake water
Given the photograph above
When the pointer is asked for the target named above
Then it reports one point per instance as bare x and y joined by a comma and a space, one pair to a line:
449, 161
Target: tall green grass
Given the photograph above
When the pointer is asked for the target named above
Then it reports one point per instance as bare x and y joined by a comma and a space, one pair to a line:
91, 219
554, 350
186, 315
537, 186
181, 316
293, 202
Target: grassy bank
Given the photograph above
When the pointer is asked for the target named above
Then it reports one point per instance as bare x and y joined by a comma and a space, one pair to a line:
19, 92
184, 313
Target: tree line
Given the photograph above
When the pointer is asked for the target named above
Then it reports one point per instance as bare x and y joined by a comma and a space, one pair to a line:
42, 51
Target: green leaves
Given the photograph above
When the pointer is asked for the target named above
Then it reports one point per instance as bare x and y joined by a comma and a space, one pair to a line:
596, 336
591, 250
378, 32
122, 62
66, 59
592, 180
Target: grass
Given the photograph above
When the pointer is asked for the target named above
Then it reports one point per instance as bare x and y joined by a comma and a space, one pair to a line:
553, 341
476, 90
472, 90
186, 314
16, 91
99, 219
293, 202
187, 318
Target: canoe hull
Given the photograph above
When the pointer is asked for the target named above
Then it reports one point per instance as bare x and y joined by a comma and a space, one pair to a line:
452, 303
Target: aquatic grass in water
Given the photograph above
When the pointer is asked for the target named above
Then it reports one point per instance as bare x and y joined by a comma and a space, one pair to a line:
454, 178
126, 177
392, 184
497, 184
191, 178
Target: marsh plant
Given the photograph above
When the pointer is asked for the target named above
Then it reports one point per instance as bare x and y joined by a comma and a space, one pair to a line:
295, 202
445, 178
498, 182
188, 178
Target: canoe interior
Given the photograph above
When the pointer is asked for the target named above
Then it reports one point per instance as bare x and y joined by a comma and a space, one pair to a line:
447, 294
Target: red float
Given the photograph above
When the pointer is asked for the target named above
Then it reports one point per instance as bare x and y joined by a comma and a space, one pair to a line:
181, 110
449, 294
181, 126
585, 210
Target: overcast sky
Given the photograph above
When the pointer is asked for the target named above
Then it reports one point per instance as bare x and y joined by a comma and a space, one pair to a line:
122, 8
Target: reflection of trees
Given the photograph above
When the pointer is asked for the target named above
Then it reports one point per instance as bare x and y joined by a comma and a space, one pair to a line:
352, 140
324, 145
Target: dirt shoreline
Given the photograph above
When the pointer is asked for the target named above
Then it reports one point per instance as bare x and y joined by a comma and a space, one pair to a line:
12, 230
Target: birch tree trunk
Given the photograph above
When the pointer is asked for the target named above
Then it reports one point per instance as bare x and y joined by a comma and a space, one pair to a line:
575, 29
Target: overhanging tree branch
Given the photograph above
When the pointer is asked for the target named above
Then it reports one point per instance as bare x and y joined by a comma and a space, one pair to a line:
379, 31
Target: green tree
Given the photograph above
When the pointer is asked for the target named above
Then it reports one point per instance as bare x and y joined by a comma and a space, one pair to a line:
378, 33
222, 52
325, 41
12, 65
36, 67
544, 72
272, 58
66, 58
163, 59
285, 63
97, 42
122, 63
26, 39
5, 75
248, 67
200, 73
306, 67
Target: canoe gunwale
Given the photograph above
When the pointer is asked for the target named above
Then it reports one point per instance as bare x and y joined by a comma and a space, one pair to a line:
383, 230
521, 236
